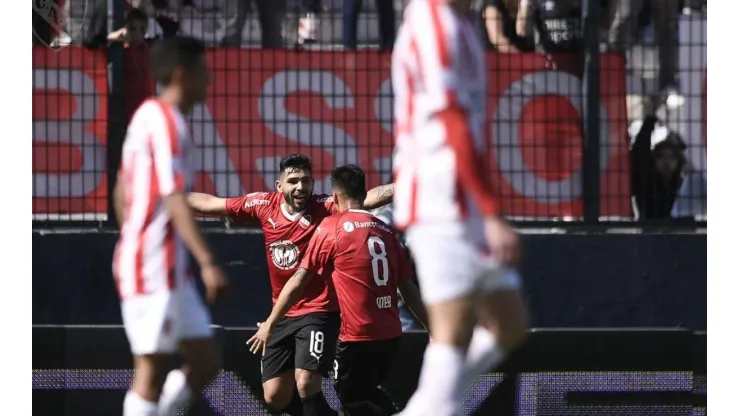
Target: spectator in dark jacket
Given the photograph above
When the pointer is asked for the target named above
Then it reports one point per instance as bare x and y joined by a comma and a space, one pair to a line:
658, 162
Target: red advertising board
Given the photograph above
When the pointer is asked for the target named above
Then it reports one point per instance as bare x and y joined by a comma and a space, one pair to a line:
337, 108
70, 108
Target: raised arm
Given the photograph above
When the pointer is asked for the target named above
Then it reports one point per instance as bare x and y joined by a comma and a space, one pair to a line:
207, 204
379, 196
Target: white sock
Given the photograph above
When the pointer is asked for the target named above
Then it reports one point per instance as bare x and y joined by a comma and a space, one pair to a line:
483, 354
135, 405
176, 394
441, 374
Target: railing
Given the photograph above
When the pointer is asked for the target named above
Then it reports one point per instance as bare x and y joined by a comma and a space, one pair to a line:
558, 372
558, 143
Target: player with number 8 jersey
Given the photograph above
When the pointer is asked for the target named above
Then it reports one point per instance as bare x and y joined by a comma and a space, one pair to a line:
368, 268
302, 346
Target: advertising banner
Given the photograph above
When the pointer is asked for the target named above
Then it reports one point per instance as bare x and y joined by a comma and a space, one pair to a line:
337, 107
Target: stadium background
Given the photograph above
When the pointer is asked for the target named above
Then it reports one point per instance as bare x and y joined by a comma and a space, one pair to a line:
558, 151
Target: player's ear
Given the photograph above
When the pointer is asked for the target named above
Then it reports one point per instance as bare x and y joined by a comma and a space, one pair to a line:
278, 187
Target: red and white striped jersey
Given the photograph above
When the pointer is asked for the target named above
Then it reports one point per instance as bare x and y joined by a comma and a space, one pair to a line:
439, 84
149, 255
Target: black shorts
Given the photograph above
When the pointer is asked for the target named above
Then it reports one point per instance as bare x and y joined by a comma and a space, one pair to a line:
362, 366
307, 342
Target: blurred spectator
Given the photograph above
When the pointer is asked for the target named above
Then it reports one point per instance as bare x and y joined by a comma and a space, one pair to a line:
308, 23
408, 320
658, 167
96, 31
270, 14
556, 24
498, 26
133, 34
138, 80
386, 23
626, 27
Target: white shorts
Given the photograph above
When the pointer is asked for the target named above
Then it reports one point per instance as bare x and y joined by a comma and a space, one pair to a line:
157, 322
450, 262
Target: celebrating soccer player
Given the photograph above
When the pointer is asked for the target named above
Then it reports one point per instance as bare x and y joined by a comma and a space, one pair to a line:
303, 344
462, 247
368, 268
162, 312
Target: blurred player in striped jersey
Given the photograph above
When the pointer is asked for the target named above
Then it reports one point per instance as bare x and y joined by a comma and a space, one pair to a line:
162, 311
463, 249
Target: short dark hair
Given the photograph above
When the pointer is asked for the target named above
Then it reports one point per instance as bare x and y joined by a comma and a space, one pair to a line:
351, 180
176, 51
134, 15
296, 161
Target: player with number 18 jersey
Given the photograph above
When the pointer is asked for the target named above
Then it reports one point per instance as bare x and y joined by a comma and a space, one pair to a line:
368, 268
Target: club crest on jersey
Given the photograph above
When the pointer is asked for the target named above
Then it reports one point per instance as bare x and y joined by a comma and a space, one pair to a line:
284, 254
305, 221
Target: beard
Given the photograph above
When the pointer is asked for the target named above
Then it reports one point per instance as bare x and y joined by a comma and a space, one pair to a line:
298, 204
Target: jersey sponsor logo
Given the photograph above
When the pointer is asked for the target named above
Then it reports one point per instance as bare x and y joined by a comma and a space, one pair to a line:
256, 202
348, 227
325, 199
366, 224
284, 254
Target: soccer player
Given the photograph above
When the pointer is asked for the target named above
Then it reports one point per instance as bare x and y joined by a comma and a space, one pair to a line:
368, 267
162, 312
462, 247
303, 344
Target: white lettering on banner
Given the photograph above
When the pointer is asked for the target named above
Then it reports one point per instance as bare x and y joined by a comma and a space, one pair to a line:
505, 132
304, 130
211, 155
70, 132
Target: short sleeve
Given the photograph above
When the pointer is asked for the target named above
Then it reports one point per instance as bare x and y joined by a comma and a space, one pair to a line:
249, 207
166, 152
320, 249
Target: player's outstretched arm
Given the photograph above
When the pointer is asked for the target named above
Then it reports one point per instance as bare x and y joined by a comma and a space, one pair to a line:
379, 196
207, 204
412, 298
184, 222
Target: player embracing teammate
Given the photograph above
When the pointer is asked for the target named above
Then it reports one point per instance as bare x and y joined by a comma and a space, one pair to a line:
301, 349
462, 248
368, 267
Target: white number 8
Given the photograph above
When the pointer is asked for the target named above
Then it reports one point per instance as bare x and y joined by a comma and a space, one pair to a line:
379, 260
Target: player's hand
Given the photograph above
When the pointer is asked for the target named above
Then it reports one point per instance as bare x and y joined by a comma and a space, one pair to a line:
503, 240
215, 281
259, 340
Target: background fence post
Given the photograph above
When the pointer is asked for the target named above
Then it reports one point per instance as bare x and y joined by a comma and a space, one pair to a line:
591, 115
116, 109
